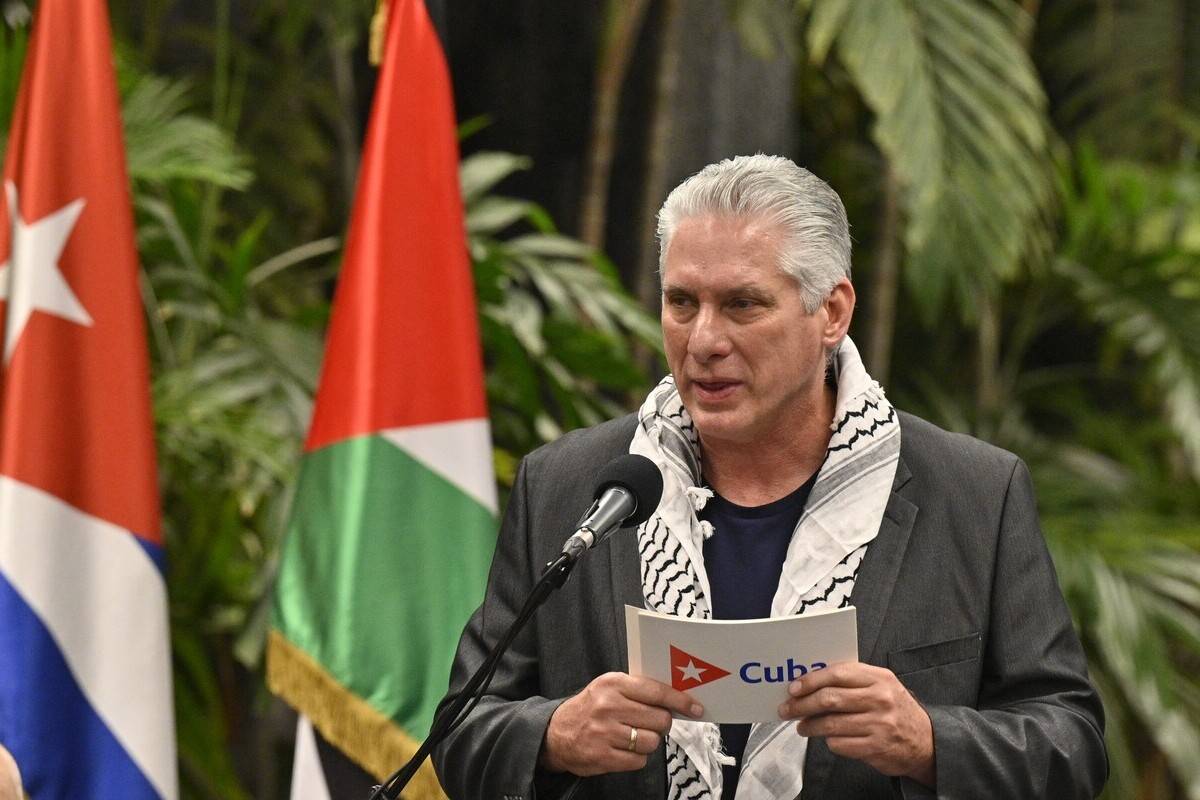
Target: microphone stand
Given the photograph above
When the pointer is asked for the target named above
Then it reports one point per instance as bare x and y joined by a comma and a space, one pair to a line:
553, 577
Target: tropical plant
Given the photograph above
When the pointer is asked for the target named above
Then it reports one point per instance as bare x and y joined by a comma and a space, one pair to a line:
1132, 255
1098, 392
556, 324
1120, 70
234, 368
1080, 293
960, 116
14, 36
289, 78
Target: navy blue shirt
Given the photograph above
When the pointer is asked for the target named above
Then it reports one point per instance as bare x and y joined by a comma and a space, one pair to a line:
744, 559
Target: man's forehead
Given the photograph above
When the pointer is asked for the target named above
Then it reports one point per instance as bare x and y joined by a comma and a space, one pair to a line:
761, 276
723, 243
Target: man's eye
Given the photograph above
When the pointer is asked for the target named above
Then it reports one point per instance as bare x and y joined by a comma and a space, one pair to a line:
743, 303
678, 301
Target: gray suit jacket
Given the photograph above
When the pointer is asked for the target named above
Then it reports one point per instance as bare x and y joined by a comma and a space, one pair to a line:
957, 595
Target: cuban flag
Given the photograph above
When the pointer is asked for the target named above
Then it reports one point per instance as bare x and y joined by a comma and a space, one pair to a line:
85, 667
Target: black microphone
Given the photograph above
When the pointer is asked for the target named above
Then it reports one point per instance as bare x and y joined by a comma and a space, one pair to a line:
627, 493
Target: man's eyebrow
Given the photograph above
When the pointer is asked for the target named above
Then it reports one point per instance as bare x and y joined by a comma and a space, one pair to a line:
741, 290
749, 290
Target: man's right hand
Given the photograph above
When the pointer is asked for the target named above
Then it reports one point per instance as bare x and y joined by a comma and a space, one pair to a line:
590, 733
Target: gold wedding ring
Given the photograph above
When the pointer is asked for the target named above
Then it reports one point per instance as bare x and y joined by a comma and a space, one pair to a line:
632, 739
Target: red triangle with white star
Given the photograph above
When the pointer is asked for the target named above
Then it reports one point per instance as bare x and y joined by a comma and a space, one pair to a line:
688, 672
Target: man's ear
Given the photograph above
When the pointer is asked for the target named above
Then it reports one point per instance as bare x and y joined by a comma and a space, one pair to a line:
839, 310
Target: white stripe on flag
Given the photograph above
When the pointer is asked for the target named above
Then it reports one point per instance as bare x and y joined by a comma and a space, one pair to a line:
308, 777
461, 452
104, 602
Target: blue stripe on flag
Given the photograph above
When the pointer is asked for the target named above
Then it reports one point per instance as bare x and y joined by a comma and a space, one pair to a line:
156, 553
61, 745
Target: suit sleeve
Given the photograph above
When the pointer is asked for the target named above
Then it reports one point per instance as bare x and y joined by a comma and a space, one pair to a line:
494, 752
1037, 730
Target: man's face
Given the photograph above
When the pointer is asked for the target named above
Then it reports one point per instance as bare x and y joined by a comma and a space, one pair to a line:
749, 361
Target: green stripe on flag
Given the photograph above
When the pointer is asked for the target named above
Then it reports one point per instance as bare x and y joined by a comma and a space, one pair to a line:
383, 564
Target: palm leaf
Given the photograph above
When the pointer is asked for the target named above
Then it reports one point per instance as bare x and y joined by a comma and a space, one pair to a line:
1162, 329
164, 142
1129, 592
1138, 277
960, 114
1115, 67
556, 324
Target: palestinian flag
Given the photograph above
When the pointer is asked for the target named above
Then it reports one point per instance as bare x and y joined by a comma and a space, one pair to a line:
394, 519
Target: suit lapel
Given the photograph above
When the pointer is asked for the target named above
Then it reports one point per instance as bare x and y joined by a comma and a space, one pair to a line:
881, 564
871, 596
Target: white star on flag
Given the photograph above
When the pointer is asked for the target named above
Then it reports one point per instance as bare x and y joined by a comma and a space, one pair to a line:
691, 672
34, 282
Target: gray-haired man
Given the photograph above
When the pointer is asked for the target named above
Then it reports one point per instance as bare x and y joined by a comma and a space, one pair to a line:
790, 484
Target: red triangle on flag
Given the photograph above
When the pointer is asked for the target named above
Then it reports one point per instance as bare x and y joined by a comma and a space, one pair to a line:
403, 343
688, 672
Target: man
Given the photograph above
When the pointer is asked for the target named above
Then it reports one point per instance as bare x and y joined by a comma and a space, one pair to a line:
790, 484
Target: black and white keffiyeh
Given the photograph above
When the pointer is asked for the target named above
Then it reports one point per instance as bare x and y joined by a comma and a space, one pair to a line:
840, 519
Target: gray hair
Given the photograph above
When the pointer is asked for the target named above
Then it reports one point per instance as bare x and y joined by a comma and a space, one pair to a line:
816, 248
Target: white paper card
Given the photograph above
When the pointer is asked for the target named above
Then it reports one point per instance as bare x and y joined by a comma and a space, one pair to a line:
738, 668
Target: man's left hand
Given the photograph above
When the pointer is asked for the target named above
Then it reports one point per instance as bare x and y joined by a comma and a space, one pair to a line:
865, 713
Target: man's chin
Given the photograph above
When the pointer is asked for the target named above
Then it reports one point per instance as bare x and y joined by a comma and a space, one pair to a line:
725, 425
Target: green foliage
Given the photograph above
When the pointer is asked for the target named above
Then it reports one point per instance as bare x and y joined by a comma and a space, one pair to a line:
1100, 364
960, 116
1132, 252
164, 143
13, 40
556, 324
234, 368
758, 24
1135, 594
1107, 428
1121, 70
1129, 552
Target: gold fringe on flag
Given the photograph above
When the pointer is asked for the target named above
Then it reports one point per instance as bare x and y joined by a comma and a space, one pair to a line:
347, 721
378, 33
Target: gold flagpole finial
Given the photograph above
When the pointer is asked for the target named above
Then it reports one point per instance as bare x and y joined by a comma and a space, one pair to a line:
378, 33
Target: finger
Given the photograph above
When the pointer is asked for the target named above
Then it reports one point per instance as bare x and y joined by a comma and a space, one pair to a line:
842, 725
611, 703
651, 718
850, 674
829, 700
654, 693
859, 747
643, 743
648, 742
622, 761
613, 760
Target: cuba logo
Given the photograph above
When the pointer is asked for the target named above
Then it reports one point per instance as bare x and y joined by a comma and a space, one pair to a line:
688, 671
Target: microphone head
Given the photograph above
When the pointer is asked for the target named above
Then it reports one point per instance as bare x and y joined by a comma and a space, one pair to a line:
640, 477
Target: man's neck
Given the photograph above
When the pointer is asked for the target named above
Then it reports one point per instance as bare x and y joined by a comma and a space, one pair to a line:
776, 463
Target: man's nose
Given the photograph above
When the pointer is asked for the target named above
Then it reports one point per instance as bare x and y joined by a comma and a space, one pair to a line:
708, 339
